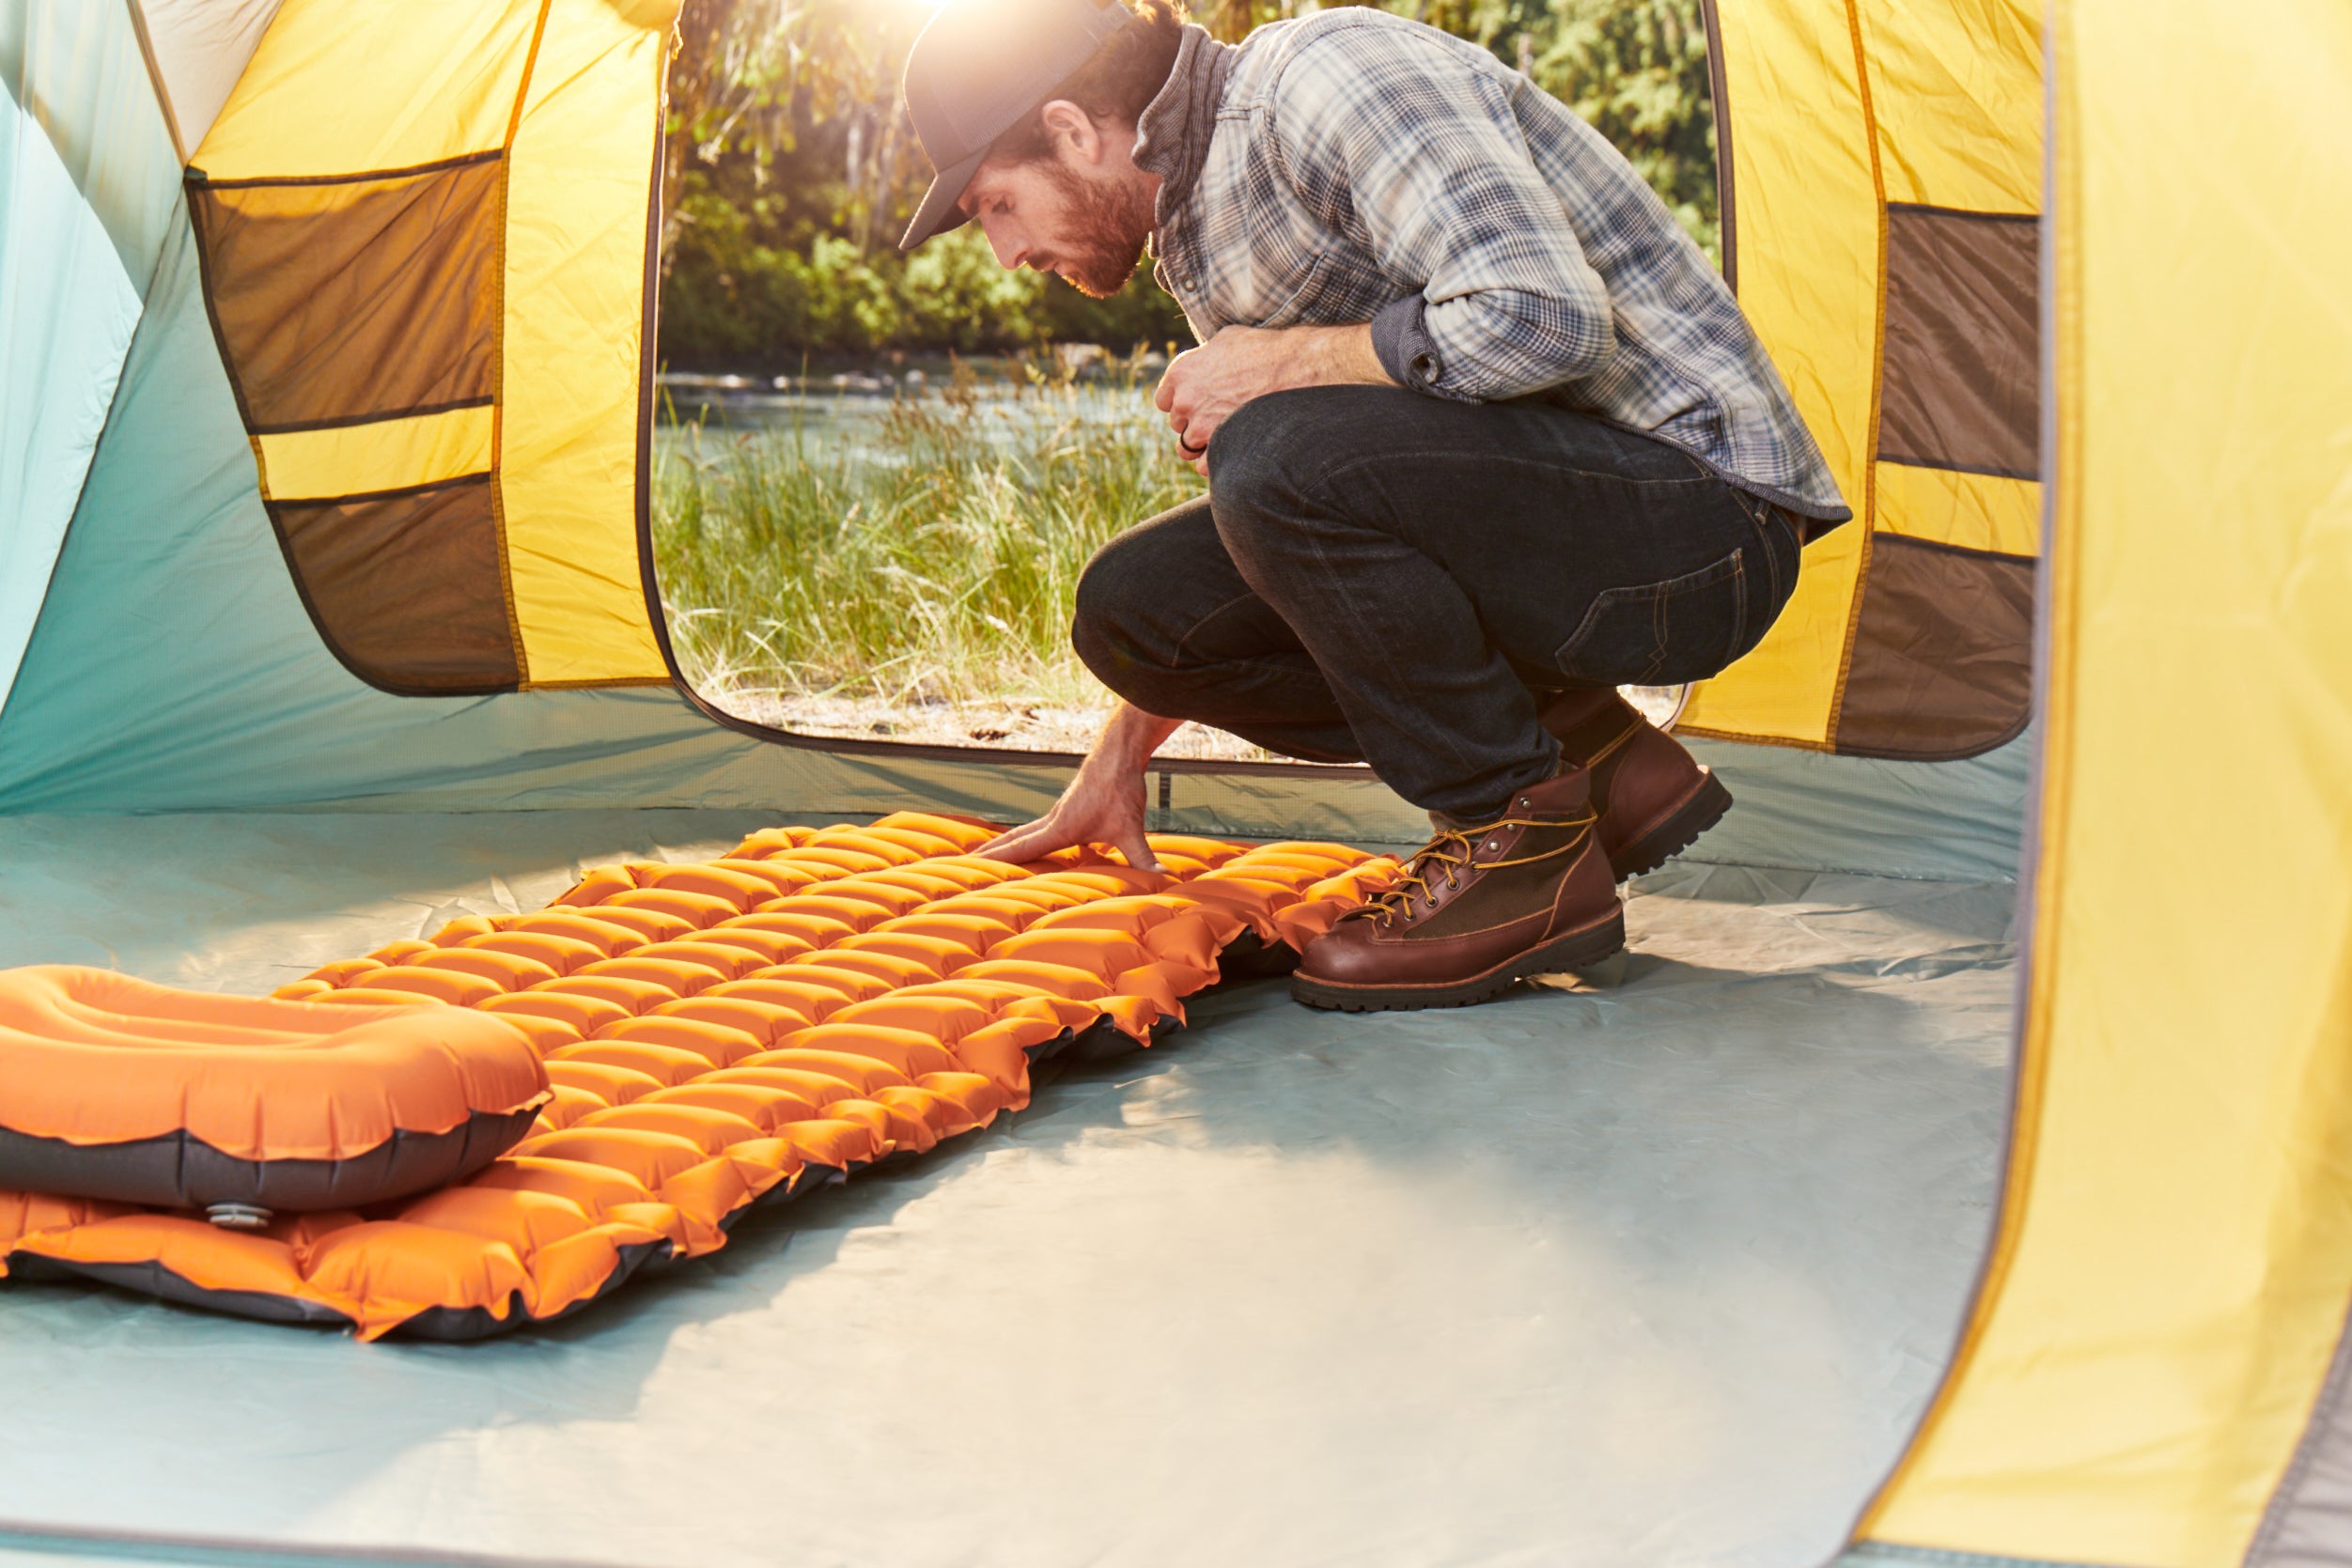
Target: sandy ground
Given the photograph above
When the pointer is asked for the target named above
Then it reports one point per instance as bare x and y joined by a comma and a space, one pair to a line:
996, 724
1012, 724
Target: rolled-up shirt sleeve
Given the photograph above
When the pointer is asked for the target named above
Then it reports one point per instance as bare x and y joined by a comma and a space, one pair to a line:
1419, 152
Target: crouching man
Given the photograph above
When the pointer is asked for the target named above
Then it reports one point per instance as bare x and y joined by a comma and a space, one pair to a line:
1486, 437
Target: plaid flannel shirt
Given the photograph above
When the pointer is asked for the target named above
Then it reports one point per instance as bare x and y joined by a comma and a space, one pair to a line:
1367, 168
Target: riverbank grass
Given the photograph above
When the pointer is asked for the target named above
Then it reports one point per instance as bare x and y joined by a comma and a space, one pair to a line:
924, 566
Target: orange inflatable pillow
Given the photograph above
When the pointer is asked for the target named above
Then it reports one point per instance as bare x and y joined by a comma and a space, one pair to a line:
133, 1093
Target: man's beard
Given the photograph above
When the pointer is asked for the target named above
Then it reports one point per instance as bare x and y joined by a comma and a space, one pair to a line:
1110, 223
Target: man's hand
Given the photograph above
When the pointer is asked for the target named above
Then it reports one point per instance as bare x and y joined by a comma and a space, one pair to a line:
1104, 804
1204, 385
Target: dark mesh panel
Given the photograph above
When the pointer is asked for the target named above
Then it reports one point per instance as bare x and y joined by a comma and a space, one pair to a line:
1943, 652
406, 587
1963, 342
348, 300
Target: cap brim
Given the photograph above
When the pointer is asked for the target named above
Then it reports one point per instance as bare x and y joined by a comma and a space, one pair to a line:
938, 212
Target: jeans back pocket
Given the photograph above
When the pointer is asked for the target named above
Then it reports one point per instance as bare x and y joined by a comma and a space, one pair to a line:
1686, 628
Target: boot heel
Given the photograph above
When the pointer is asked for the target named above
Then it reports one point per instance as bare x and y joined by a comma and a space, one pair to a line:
1577, 949
1678, 831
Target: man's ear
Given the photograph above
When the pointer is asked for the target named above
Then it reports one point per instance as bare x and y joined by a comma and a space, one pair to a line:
1073, 131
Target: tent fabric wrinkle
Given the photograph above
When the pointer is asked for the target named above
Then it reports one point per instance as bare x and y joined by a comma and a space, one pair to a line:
76, 72
198, 48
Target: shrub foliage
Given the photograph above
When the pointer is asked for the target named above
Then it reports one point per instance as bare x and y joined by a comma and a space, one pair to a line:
789, 168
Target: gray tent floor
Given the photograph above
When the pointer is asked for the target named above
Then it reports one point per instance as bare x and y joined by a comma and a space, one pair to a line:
1655, 1273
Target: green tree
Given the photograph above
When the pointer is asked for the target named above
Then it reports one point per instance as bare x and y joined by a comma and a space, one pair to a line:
789, 167
1637, 71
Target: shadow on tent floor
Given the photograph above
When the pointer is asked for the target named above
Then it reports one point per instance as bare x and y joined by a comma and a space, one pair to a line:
1654, 1275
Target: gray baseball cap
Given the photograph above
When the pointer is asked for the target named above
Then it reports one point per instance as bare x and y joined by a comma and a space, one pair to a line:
977, 67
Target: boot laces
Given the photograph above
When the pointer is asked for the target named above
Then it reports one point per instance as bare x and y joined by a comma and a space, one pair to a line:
1454, 851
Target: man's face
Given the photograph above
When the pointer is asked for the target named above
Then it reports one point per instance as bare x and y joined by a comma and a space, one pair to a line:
1085, 221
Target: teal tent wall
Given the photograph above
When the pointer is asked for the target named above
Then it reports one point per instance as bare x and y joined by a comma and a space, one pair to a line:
90, 190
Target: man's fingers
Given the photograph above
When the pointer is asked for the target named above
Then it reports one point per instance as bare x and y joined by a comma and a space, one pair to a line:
1136, 848
1022, 843
1192, 445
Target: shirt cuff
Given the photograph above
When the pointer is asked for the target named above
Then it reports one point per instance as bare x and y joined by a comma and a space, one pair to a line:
1400, 337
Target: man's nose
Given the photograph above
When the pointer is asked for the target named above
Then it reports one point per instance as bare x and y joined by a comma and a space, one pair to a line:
1011, 250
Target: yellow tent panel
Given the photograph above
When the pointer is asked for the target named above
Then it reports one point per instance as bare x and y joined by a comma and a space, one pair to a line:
428, 233
2147, 1380
1881, 179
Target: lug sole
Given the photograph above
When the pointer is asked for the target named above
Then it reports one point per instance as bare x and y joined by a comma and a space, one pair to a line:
1701, 810
1576, 950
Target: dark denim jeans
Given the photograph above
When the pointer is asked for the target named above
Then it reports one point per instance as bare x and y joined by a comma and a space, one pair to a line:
1381, 576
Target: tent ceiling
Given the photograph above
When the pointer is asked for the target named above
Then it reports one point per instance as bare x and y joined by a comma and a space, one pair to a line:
199, 47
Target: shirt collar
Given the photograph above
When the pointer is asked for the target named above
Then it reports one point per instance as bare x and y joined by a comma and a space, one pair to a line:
1172, 135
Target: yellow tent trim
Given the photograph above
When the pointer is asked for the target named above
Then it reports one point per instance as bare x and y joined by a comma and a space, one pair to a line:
580, 194
382, 455
1973, 511
1866, 508
1809, 251
329, 92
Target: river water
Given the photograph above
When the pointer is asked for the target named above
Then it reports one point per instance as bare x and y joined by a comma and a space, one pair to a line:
840, 413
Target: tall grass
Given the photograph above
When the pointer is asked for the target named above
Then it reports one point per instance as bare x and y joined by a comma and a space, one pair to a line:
931, 560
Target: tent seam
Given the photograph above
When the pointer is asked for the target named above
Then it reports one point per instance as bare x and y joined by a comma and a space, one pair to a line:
1868, 515
2283, 1497
2028, 1058
1719, 108
155, 79
498, 365
209, 1550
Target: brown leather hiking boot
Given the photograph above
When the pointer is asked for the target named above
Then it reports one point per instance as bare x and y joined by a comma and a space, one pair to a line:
1477, 909
1653, 798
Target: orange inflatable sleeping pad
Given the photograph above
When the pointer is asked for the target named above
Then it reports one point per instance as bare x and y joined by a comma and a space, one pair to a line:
670, 1044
